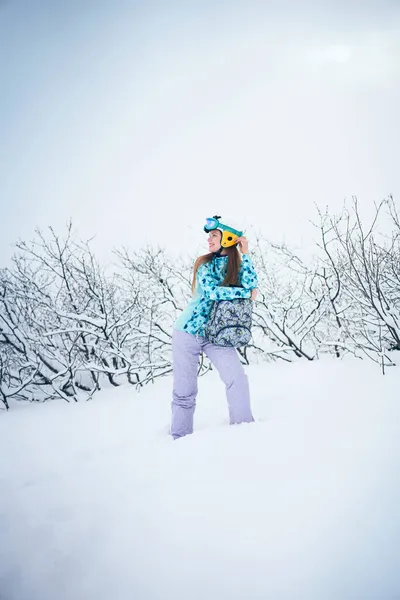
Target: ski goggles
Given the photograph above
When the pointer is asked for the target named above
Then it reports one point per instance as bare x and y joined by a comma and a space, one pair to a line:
212, 223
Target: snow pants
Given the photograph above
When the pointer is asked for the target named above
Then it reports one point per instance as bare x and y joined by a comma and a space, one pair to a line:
186, 349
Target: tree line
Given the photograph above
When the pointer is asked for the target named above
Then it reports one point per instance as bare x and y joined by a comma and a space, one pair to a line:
69, 327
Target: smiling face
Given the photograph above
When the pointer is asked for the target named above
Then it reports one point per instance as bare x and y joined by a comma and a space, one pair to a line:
214, 240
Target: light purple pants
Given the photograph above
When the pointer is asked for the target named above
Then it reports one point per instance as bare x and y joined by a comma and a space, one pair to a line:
186, 349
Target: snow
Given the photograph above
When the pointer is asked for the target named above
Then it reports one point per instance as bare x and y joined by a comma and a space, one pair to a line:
98, 502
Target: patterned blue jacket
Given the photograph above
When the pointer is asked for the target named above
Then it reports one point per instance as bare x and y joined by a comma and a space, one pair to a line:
194, 317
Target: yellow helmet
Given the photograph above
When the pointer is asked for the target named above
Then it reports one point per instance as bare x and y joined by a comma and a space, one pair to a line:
229, 234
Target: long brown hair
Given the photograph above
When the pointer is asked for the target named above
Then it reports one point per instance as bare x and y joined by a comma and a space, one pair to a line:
232, 273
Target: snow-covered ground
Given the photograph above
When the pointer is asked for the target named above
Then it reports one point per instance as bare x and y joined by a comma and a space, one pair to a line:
97, 502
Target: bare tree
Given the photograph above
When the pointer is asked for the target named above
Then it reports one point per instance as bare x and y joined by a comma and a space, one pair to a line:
289, 306
69, 325
361, 270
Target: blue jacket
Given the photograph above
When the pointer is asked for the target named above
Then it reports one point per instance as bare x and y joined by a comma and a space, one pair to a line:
194, 317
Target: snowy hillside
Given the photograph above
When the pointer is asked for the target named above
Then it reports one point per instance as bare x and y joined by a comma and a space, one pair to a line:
97, 501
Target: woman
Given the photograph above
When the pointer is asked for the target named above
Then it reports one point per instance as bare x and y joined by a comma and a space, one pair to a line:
220, 275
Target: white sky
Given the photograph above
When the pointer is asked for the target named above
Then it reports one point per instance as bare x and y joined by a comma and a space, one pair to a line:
139, 119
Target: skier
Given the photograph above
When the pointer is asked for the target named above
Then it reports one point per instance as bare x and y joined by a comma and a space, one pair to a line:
220, 275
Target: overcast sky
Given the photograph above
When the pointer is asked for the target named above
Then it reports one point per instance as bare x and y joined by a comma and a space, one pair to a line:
139, 119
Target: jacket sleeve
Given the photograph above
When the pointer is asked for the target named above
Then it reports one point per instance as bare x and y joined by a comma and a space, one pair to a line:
214, 291
247, 275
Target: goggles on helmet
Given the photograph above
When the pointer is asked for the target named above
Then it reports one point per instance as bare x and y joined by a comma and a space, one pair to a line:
213, 223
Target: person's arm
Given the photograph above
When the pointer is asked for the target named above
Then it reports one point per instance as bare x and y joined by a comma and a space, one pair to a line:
214, 291
247, 275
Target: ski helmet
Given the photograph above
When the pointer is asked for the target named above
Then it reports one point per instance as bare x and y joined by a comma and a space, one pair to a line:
229, 234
